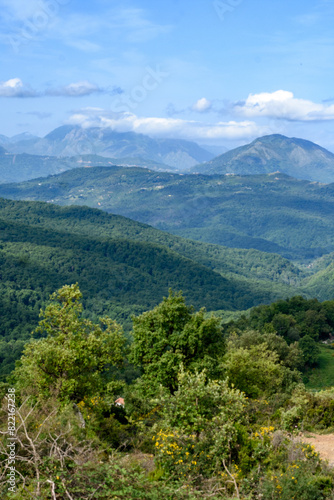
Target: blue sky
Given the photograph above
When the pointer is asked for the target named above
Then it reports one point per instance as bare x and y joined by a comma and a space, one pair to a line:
219, 72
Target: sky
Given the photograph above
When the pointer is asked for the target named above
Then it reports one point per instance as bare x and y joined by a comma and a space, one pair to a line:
218, 72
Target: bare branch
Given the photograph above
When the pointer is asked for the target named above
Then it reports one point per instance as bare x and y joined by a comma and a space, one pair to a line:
53, 491
233, 479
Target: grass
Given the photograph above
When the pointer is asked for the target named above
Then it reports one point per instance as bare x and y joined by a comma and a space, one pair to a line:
322, 376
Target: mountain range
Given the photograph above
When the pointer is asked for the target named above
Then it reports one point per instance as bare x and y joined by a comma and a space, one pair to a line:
295, 157
71, 141
70, 146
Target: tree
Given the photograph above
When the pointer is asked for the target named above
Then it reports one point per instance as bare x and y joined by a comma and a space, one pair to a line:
200, 421
75, 354
172, 334
256, 371
310, 350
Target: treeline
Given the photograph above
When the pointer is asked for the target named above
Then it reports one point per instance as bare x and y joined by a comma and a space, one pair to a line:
297, 319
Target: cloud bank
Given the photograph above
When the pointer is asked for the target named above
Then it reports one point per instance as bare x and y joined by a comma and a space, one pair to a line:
166, 127
283, 105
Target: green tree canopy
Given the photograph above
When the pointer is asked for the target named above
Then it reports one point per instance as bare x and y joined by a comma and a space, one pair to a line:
172, 334
310, 350
75, 354
256, 371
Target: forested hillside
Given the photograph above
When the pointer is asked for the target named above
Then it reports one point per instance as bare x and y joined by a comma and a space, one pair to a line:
272, 213
22, 167
121, 265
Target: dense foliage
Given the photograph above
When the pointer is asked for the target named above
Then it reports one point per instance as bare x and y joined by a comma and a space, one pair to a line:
222, 424
172, 335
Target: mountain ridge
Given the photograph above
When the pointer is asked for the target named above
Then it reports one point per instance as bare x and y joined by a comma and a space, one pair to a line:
296, 157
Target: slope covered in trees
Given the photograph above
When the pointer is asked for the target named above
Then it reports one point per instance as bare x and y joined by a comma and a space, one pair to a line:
273, 213
122, 267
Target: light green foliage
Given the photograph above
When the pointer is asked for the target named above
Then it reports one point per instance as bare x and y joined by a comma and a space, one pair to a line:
72, 358
256, 371
294, 318
290, 356
199, 424
172, 334
293, 416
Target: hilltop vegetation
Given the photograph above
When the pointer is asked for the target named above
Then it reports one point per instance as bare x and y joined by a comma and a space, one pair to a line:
22, 167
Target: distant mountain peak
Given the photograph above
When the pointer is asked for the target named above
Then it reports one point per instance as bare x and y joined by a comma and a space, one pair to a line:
60, 133
295, 157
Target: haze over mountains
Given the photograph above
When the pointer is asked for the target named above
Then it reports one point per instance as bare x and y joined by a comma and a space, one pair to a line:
270, 212
71, 140
295, 157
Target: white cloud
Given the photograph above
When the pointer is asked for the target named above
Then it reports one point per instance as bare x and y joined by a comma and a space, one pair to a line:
78, 89
166, 127
15, 88
202, 105
283, 105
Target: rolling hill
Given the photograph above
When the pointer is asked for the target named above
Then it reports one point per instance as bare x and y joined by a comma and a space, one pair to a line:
272, 213
295, 157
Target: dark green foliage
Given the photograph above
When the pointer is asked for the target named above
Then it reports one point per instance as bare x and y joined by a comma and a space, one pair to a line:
322, 376
291, 318
172, 335
310, 350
